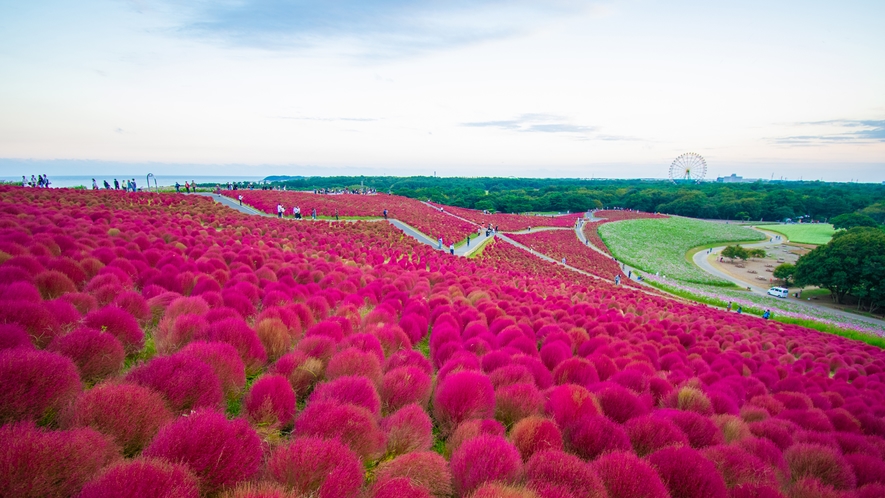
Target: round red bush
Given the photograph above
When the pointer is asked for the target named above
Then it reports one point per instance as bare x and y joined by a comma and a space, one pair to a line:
143, 478
353, 425
563, 471
301, 370
569, 402
184, 381
353, 361
14, 336
470, 429
868, 469
127, 413
700, 430
36, 385
822, 463
403, 386
483, 459
594, 435
39, 464
738, 466
33, 317
358, 391
426, 469
408, 429
687, 474
463, 395
225, 362
172, 334
400, 487
649, 434
626, 476
517, 401
237, 333
118, 323
313, 466
620, 404
534, 434
96, 354
53, 284
271, 402
218, 451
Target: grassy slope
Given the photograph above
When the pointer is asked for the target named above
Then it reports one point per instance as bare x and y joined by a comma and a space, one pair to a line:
660, 245
806, 233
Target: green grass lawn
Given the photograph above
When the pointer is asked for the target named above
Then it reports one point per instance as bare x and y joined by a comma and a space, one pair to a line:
805, 233
660, 245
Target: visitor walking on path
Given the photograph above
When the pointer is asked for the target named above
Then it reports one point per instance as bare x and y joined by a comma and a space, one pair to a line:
178, 189
313, 214
468, 241
240, 198
617, 280
439, 243
94, 184
279, 210
385, 214
452, 249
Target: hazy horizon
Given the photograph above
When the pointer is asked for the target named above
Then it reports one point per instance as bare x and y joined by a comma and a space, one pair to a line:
556, 88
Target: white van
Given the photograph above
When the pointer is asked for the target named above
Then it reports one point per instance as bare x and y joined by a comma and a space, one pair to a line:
778, 292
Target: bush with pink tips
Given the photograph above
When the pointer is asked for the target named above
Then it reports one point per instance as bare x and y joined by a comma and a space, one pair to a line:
408, 429
357, 391
96, 354
225, 362
14, 336
127, 413
408, 358
687, 474
649, 434
822, 463
738, 466
462, 396
48, 464
867, 469
134, 304
626, 476
553, 468
143, 478
535, 434
620, 404
36, 385
426, 469
319, 346
700, 430
184, 381
517, 401
398, 487
354, 362
312, 466
575, 371
53, 284
484, 459
118, 323
33, 317
594, 435
403, 386
470, 429
871, 491
261, 489
237, 333
353, 425
218, 451
569, 402
270, 402
302, 371
811, 419
754, 491
274, 336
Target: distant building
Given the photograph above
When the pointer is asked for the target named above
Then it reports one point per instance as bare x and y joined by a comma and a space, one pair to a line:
734, 179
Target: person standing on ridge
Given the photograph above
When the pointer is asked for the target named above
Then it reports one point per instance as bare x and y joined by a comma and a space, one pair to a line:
452, 249
94, 184
385, 214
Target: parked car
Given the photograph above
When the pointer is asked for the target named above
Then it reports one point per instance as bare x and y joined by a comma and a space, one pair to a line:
778, 292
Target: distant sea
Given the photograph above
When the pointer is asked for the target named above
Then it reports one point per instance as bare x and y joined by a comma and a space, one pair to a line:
140, 181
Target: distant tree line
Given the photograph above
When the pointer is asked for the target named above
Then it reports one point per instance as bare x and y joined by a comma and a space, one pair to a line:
768, 201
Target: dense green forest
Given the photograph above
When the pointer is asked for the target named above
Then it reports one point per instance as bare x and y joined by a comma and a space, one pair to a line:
768, 201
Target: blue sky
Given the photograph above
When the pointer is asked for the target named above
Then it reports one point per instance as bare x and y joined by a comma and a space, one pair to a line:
520, 87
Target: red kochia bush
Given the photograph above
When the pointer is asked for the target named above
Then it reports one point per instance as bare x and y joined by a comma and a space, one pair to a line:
700, 430
96, 354
868, 469
408, 429
118, 323
626, 476
426, 469
129, 414
237, 333
14, 336
594, 435
619, 404
738, 466
301, 370
569, 402
186, 382
353, 361
351, 389
498, 490
35, 384
820, 462
687, 474
218, 451
517, 401
271, 402
547, 469
399, 487
143, 478
33, 317
403, 386
224, 360
482, 459
39, 464
463, 395
313, 466
648, 434
53, 284
533, 434
354, 425
470, 429
172, 334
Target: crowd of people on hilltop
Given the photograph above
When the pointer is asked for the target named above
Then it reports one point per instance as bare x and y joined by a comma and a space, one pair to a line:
345, 190
39, 181
126, 185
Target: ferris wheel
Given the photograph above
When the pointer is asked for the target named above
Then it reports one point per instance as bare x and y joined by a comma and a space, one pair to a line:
689, 167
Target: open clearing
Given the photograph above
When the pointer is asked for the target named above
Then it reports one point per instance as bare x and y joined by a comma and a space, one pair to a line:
660, 245
805, 233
